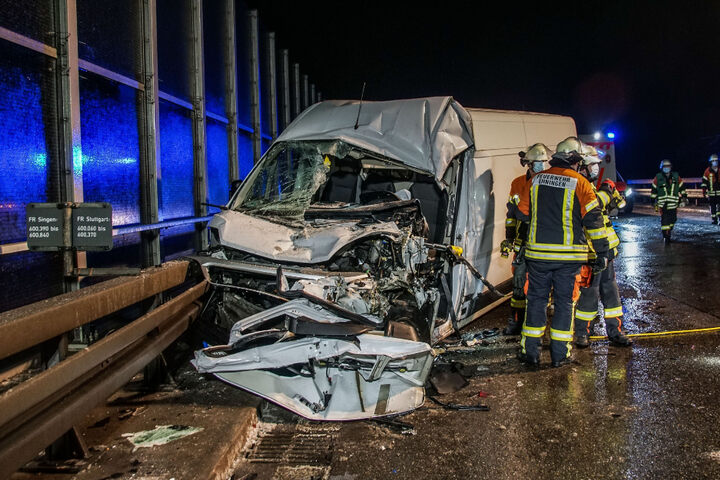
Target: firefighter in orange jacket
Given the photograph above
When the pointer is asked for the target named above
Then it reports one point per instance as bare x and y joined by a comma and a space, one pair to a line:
711, 188
561, 209
516, 231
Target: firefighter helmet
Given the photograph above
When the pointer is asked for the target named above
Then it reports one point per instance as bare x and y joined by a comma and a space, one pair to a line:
589, 154
713, 158
665, 163
538, 153
569, 150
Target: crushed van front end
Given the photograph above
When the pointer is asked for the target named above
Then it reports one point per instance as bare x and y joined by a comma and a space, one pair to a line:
330, 275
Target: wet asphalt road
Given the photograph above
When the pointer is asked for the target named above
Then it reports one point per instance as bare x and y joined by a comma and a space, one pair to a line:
650, 411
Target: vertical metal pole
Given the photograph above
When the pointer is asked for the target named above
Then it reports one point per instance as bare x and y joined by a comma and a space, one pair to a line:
150, 140
319, 97
271, 82
68, 83
313, 94
69, 161
305, 92
198, 121
285, 88
254, 82
297, 107
231, 90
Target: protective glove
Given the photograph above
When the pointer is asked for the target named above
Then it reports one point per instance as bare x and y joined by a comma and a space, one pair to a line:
506, 248
684, 202
600, 264
704, 193
609, 187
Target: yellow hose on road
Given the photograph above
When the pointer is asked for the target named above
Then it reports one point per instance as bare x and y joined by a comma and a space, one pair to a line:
661, 334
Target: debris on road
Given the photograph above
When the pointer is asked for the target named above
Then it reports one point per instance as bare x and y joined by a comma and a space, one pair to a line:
161, 435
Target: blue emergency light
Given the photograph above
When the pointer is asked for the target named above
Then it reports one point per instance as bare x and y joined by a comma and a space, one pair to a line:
611, 135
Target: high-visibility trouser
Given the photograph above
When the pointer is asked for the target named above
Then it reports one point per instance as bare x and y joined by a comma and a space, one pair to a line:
518, 299
543, 276
604, 287
714, 201
668, 217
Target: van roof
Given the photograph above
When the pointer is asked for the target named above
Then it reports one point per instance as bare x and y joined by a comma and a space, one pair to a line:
515, 130
423, 133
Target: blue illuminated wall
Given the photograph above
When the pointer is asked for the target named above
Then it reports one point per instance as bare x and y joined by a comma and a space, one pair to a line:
217, 164
25, 138
109, 35
214, 32
112, 126
175, 183
173, 35
245, 152
28, 140
110, 147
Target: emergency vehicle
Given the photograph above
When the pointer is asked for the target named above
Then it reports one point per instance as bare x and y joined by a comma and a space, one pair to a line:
605, 144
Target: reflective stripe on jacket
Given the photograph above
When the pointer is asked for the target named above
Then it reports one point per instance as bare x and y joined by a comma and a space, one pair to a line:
667, 190
512, 224
711, 183
604, 200
562, 208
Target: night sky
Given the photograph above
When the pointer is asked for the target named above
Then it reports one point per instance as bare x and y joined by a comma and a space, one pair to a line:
647, 70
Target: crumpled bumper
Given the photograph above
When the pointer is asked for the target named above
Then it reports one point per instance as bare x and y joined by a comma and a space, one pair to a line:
349, 375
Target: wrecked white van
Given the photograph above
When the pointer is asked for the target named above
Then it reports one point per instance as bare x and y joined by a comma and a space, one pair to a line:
361, 238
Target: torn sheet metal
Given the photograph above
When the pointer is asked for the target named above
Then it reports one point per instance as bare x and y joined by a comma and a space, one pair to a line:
423, 133
297, 308
327, 378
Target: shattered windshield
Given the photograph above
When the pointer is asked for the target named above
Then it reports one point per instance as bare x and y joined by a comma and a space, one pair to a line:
286, 181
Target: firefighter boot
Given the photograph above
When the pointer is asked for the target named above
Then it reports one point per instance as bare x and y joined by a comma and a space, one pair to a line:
582, 333
562, 362
529, 361
714, 220
620, 340
666, 236
514, 326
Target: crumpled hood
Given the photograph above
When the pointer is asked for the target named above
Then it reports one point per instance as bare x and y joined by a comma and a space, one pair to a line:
311, 244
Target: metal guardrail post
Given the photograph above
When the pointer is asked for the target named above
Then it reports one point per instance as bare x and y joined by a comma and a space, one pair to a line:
231, 109
150, 141
198, 122
271, 82
253, 56
305, 92
297, 106
313, 94
70, 163
285, 107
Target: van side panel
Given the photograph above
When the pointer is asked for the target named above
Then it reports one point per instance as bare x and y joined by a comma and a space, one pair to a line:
499, 136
